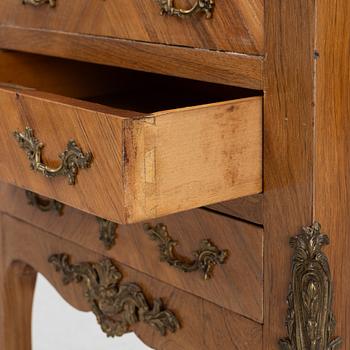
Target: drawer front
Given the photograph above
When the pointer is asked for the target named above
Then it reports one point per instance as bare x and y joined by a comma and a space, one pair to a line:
236, 283
143, 166
247, 208
203, 324
236, 25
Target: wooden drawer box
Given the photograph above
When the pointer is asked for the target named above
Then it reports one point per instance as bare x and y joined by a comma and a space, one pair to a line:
146, 164
236, 25
236, 284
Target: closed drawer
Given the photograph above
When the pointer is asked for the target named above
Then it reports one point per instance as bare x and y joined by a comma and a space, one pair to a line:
204, 325
236, 283
236, 25
146, 163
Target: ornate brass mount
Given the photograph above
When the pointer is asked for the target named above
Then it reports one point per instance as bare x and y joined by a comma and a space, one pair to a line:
116, 306
72, 158
310, 321
52, 3
44, 204
108, 232
205, 258
168, 8
107, 229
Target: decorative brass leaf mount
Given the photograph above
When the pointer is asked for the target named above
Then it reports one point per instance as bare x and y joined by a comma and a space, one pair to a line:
52, 3
167, 7
116, 306
44, 204
72, 158
108, 232
205, 258
310, 321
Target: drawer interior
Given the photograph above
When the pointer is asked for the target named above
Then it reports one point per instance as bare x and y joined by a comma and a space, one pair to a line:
160, 144
111, 86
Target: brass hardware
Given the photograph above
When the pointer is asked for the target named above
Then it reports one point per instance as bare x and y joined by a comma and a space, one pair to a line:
44, 204
116, 306
310, 321
205, 258
107, 232
71, 159
107, 228
52, 3
168, 8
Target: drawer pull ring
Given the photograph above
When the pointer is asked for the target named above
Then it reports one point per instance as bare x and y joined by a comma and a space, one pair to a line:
205, 258
52, 3
310, 320
72, 158
167, 7
44, 204
116, 306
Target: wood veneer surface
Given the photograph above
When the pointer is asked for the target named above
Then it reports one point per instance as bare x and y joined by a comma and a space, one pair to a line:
203, 324
236, 285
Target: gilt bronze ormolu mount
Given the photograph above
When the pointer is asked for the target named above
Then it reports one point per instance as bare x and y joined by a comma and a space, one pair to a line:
107, 229
310, 322
205, 258
116, 306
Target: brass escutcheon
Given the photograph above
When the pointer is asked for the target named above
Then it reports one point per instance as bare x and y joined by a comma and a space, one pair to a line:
108, 232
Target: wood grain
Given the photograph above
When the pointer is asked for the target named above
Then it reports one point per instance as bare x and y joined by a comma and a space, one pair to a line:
17, 283
204, 325
288, 148
200, 64
236, 25
227, 288
138, 168
332, 161
247, 208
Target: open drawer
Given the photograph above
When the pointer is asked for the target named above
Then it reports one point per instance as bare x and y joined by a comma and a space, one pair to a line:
149, 159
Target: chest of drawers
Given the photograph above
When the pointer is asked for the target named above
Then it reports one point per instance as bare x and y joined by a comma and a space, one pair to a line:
159, 160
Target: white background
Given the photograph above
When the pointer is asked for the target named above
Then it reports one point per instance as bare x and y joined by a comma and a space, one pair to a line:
57, 326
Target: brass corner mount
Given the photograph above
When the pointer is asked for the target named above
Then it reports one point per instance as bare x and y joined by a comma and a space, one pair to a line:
310, 321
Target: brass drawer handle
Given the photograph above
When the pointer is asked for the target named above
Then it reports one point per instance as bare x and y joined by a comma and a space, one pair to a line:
72, 159
44, 204
116, 306
107, 229
205, 258
167, 7
52, 3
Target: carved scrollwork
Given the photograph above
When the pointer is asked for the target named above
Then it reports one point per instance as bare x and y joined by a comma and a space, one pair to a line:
168, 8
44, 204
52, 3
72, 158
116, 306
108, 232
205, 258
310, 321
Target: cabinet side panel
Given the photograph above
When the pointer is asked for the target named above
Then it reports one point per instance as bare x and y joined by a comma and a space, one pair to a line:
288, 147
332, 162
